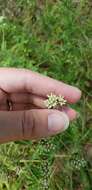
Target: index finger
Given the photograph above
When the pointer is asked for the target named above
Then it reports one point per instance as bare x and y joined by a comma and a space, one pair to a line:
23, 80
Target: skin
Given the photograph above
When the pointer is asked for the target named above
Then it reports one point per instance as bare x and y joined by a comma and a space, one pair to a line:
27, 90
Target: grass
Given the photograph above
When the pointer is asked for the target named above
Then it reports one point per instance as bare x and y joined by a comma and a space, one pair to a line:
52, 37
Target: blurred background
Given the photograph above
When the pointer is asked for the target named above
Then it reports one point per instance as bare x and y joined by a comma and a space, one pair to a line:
52, 37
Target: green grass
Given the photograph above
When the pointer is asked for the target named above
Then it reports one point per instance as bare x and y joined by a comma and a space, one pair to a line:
53, 38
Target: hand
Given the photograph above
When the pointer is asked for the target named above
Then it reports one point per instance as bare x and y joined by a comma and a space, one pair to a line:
25, 91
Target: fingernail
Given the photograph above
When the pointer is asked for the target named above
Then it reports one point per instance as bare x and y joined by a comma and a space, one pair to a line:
57, 122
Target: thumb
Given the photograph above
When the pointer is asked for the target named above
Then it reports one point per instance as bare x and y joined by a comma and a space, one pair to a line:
31, 124
48, 122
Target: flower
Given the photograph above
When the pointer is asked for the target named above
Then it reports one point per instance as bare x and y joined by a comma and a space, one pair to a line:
61, 100
78, 163
54, 101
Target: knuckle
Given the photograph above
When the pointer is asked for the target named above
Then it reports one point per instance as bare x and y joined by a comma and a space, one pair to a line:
27, 124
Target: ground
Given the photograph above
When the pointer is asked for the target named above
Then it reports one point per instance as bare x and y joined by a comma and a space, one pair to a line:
52, 37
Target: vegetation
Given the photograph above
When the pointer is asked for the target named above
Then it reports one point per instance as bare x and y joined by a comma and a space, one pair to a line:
53, 37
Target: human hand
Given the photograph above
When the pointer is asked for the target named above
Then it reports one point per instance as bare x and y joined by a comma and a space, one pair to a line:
25, 91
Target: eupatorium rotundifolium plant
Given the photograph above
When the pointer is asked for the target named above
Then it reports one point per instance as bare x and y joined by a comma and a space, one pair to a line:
54, 101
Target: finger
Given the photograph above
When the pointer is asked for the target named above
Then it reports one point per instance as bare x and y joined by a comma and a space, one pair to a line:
72, 114
48, 123
3, 96
69, 111
21, 80
27, 106
27, 98
20, 107
28, 101
22, 98
31, 124
3, 107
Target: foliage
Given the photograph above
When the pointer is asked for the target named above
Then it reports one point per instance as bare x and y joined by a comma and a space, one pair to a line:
52, 37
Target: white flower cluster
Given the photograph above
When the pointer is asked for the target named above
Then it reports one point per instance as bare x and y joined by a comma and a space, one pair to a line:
78, 163
2, 18
48, 146
45, 182
61, 100
54, 101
